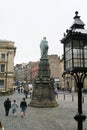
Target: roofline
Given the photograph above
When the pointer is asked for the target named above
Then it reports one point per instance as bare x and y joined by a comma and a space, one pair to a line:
6, 41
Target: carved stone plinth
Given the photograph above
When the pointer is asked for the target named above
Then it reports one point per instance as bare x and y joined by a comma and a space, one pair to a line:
43, 95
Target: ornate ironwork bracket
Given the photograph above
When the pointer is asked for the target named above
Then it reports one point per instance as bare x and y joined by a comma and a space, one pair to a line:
79, 79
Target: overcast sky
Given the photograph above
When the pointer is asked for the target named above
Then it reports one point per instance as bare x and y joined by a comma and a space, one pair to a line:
26, 22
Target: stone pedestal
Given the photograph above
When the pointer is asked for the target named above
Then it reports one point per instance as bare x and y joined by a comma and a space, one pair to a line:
43, 95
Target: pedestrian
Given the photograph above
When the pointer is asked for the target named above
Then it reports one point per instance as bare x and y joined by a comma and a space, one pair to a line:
26, 93
7, 106
56, 92
31, 92
23, 106
19, 90
1, 126
14, 108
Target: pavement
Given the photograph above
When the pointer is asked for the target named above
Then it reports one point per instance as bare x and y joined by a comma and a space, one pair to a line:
56, 118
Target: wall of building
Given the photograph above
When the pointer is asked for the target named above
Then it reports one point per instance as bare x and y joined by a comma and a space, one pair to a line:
56, 69
7, 53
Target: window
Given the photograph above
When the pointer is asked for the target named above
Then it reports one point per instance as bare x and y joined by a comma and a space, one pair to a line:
3, 56
2, 68
1, 83
68, 56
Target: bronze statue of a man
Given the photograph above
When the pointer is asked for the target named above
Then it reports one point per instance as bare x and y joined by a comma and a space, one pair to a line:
44, 48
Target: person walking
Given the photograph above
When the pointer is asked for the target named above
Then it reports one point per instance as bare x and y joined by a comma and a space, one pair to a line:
1, 126
56, 92
31, 92
23, 106
14, 108
7, 106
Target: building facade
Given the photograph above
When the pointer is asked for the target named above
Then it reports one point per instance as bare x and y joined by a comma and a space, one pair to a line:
20, 73
7, 53
56, 72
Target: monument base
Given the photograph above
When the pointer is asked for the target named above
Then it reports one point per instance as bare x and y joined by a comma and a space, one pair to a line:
43, 95
43, 104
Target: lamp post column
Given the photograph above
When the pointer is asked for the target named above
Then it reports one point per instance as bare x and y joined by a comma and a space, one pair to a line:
75, 60
80, 117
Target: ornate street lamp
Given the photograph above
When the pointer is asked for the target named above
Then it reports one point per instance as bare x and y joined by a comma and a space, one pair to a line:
75, 60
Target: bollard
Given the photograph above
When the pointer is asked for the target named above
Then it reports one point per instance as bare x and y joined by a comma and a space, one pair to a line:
72, 98
64, 96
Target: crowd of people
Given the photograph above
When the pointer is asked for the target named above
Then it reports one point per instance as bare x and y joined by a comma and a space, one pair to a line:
13, 105
27, 91
8, 105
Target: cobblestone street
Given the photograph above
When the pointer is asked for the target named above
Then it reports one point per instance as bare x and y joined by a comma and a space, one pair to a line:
57, 118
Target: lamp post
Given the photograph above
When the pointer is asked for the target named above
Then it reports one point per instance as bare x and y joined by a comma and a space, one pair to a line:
75, 60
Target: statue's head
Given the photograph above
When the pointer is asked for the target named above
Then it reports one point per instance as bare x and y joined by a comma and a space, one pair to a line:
44, 38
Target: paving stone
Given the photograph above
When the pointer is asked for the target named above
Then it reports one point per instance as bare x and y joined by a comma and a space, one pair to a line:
57, 118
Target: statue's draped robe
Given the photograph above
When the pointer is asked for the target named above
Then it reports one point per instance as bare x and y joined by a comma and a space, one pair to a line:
44, 48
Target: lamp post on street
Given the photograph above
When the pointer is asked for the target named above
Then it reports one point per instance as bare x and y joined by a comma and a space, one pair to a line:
75, 60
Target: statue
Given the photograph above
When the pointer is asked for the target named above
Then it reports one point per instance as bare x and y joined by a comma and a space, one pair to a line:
44, 48
43, 95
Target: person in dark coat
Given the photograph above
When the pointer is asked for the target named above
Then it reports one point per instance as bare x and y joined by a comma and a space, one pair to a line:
23, 106
7, 105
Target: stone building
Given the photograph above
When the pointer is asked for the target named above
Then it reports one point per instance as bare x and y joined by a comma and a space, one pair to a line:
56, 69
25, 72
34, 71
20, 73
30, 72
7, 53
